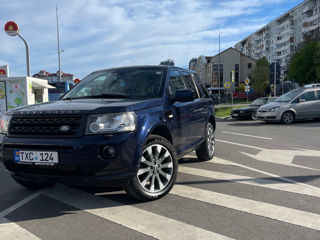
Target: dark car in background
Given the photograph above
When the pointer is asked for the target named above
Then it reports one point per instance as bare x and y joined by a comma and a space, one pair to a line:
118, 127
250, 112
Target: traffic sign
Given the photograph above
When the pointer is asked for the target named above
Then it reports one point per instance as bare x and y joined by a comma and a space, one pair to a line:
282, 76
11, 28
227, 85
247, 89
247, 81
232, 76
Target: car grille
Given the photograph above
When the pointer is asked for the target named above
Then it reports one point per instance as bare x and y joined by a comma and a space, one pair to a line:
46, 125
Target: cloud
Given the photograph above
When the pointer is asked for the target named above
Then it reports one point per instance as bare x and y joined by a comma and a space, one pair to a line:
106, 33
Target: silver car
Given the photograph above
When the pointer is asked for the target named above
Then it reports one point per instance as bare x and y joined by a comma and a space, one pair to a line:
303, 103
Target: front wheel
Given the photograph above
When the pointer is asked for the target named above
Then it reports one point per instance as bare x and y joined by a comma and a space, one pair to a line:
254, 115
157, 172
206, 150
287, 117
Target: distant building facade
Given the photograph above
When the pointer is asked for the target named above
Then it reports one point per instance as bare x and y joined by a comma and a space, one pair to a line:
230, 60
53, 77
278, 40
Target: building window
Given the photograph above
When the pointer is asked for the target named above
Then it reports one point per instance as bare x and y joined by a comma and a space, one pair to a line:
249, 65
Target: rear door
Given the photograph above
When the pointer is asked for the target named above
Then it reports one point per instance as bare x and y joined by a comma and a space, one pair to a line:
306, 107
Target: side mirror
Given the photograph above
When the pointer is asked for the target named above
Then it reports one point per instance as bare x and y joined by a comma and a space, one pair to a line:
186, 95
301, 100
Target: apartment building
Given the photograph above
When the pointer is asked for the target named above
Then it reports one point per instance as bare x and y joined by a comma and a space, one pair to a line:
279, 39
230, 60
53, 77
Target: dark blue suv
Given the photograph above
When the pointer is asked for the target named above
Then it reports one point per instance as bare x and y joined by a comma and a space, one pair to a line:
119, 127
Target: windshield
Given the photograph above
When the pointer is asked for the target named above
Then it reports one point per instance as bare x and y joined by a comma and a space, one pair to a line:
120, 83
288, 96
258, 102
271, 99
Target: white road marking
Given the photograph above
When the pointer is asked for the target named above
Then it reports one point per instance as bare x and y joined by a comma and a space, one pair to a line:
131, 217
12, 231
19, 204
247, 135
304, 188
240, 144
284, 157
265, 183
283, 214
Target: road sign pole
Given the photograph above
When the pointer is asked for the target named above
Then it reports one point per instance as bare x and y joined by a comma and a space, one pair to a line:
27, 55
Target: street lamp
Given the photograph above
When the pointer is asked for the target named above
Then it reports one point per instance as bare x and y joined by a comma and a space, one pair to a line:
12, 29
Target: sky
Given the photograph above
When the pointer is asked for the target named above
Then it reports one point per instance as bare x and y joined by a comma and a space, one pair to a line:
98, 34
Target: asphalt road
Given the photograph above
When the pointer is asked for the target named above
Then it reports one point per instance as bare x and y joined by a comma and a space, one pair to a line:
263, 183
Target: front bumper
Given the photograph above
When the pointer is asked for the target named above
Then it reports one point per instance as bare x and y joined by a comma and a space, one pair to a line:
241, 115
269, 116
81, 160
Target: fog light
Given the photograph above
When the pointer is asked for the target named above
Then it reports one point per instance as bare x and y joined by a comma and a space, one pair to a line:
109, 152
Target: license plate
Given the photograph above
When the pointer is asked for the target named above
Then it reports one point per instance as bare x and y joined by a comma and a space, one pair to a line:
235, 115
36, 157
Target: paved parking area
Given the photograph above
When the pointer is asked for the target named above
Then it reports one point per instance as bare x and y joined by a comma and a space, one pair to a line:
263, 183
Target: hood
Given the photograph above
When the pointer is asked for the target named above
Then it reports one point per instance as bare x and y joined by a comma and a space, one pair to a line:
88, 106
272, 105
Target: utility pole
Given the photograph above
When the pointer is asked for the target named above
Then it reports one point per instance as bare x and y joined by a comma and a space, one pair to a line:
59, 73
219, 72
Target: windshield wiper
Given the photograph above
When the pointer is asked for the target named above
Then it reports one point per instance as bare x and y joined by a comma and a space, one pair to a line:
100, 96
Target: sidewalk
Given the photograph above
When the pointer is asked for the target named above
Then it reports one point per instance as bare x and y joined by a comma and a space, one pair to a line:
230, 105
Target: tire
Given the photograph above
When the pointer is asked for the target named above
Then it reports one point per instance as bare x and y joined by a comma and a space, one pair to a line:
254, 115
32, 185
287, 117
157, 171
206, 150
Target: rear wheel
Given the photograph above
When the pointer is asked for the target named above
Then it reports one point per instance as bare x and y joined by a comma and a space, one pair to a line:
287, 117
206, 150
157, 172
32, 185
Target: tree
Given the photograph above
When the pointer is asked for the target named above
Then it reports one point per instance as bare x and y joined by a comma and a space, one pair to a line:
304, 66
261, 75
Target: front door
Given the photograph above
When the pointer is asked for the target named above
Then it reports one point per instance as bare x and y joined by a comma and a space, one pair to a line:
306, 106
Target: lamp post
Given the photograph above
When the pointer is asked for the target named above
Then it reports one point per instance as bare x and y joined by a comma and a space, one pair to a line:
219, 73
12, 29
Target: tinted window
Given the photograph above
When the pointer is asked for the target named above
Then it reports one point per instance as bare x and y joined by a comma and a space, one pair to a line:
130, 82
176, 83
318, 93
308, 96
200, 84
187, 78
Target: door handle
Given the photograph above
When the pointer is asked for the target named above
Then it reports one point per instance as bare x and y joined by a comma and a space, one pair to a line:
169, 114
197, 109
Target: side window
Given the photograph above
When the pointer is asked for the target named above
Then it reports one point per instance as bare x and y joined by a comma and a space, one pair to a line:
201, 85
318, 93
187, 78
175, 83
308, 96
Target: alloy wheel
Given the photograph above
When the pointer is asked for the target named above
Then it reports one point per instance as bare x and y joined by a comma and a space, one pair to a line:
210, 140
156, 168
287, 117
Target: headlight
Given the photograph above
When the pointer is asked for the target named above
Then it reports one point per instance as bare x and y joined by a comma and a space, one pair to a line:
5, 120
111, 123
274, 109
